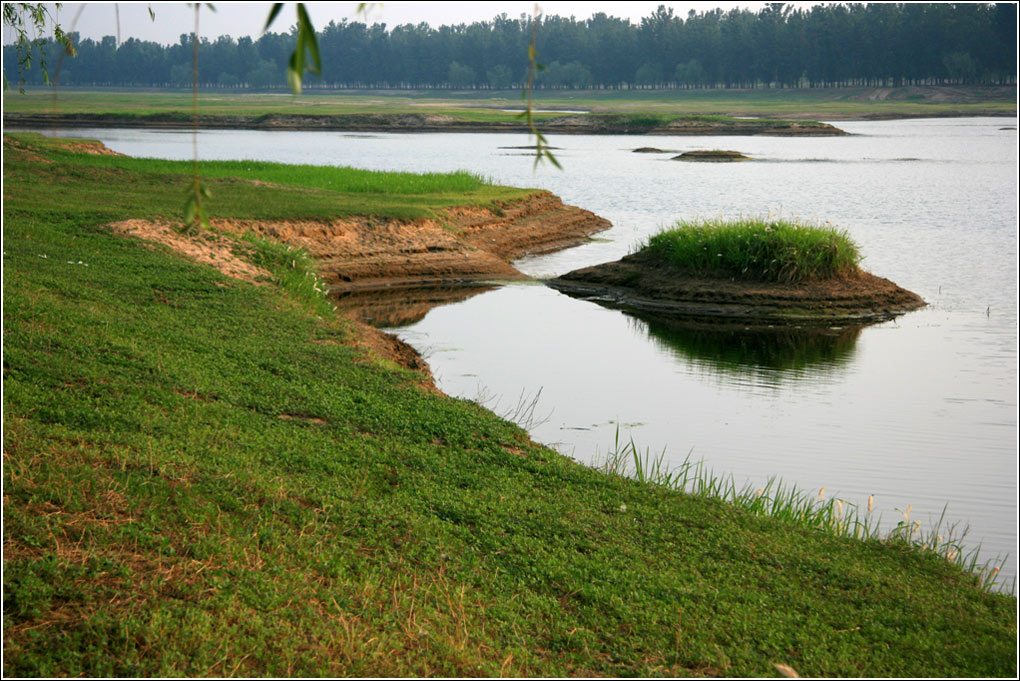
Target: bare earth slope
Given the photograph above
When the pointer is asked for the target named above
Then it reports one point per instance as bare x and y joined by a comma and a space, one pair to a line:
465, 244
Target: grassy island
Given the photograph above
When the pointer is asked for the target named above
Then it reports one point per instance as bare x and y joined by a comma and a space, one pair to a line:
213, 474
756, 270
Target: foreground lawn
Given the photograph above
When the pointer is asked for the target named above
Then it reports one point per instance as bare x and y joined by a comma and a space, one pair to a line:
203, 477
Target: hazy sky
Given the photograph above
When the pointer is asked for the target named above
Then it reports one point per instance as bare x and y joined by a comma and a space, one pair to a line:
239, 19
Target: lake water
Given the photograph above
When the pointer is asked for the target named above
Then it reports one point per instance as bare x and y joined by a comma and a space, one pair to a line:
920, 411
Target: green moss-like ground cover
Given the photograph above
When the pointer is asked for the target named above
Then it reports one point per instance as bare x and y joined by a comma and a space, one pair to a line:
201, 478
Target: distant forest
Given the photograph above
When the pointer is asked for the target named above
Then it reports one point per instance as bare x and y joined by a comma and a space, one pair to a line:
778, 46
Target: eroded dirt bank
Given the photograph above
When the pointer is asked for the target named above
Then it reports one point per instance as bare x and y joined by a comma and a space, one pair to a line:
464, 244
220, 251
641, 282
363, 253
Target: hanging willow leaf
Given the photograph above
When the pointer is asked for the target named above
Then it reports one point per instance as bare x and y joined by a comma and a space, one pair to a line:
277, 6
305, 42
194, 212
296, 66
27, 22
542, 152
311, 42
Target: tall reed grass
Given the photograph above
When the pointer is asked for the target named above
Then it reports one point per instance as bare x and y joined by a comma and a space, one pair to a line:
775, 499
764, 249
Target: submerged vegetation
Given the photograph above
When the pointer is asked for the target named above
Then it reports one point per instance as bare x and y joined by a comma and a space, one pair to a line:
763, 249
205, 476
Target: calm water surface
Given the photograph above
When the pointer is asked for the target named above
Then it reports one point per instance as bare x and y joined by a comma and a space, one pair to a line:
920, 411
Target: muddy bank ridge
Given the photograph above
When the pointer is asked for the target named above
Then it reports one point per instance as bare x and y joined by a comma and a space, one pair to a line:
597, 124
641, 282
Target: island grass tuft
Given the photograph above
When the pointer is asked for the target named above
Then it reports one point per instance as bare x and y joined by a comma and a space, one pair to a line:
763, 249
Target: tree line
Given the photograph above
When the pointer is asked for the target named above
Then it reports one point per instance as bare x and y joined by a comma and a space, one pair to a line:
875, 44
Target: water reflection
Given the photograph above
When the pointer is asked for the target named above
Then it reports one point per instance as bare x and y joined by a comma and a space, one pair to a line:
767, 354
403, 305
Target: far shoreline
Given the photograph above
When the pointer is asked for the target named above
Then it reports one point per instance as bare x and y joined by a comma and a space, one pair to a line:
578, 124
799, 124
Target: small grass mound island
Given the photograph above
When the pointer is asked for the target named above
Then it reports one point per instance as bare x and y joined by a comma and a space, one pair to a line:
711, 156
760, 270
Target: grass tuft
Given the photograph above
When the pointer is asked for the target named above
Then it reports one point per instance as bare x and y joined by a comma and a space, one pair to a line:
294, 270
784, 502
761, 248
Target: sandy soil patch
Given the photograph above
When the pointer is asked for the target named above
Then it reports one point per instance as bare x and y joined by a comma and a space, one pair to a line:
205, 247
94, 147
217, 251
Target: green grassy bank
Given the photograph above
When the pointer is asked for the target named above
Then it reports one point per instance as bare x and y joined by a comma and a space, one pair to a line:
149, 188
814, 103
202, 477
